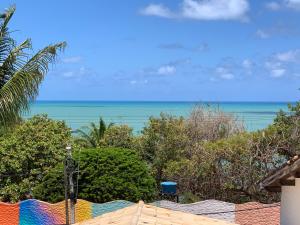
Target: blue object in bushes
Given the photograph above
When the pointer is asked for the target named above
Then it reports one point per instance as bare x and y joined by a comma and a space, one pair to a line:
168, 187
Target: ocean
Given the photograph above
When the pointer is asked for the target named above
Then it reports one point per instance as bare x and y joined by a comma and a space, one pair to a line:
255, 115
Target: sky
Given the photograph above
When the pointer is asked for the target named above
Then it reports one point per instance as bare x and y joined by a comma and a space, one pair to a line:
166, 50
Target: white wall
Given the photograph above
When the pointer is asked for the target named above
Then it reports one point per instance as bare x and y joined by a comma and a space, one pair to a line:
290, 204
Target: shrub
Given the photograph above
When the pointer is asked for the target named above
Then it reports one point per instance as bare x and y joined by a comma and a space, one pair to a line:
28, 152
228, 169
119, 136
106, 174
163, 140
207, 123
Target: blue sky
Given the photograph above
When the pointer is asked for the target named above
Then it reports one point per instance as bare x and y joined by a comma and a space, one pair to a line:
195, 50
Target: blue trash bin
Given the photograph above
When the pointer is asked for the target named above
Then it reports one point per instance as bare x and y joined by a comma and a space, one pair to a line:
168, 187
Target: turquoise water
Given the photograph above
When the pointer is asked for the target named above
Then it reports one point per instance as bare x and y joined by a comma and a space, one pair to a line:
77, 114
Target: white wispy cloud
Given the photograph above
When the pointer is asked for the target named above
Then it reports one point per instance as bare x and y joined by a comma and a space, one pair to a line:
262, 34
73, 59
202, 10
166, 70
247, 63
278, 72
227, 76
178, 46
224, 73
293, 4
157, 10
280, 4
68, 74
78, 73
135, 82
289, 56
274, 6
275, 68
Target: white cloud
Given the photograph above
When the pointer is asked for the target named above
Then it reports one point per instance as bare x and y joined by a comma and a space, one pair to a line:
224, 73
73, 59
135, 82
221, 70
247, 63
227, 76
262, 34
293, 4
166, 70
274, 6
178, 46
157, 10
68, 74
275, 69
289, 56
202, 10
215, 9
277, 72
77, 73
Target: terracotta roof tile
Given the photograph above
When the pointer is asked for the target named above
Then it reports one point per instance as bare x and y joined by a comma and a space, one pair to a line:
259, 214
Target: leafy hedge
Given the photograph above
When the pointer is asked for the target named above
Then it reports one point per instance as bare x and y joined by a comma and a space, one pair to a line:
106, 174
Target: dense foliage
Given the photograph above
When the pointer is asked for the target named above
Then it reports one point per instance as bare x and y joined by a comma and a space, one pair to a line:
106, 174
208, 153
20, 72
231, 168
28, 152
162, 141
168, 138
211, 156
119, 136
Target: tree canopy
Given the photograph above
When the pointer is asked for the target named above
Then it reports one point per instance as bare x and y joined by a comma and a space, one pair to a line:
105, 174
28, 153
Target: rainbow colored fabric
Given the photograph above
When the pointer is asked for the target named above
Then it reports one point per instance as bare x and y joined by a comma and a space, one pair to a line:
35, 212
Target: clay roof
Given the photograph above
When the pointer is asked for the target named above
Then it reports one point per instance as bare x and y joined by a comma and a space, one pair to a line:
141, 213
257, 213
283, 176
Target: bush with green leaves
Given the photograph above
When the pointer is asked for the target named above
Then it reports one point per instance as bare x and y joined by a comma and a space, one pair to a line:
28, 152
119, 136
162, 140
106, 174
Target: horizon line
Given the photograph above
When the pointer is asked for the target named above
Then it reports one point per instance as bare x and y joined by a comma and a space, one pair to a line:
174, 101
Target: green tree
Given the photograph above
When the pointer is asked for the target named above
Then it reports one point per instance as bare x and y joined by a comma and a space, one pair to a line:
93, 135
20, 72
106, 174
286, 127
163, 140
27, 154
119, 136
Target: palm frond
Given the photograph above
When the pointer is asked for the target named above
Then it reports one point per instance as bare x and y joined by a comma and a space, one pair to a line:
8, 15
22, 87
14, 61
6, 42
102, 127
86, 136
110, 125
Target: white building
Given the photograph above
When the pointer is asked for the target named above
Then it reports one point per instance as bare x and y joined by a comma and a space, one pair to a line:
287, 181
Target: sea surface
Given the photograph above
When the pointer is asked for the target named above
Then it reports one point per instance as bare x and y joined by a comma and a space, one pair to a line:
255, 115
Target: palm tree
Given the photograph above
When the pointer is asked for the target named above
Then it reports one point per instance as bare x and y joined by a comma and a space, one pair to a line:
93, 135
21, 73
